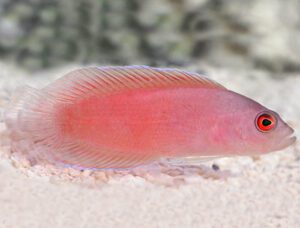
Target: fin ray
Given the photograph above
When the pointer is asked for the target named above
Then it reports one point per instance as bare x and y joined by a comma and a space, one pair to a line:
105, 80
193, 160
88, 156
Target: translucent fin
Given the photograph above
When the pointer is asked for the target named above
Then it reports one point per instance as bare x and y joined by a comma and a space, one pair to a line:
29, 118
89, 157
107, 80
190, 160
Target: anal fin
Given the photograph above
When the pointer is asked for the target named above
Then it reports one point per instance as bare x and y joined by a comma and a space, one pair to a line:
191, 160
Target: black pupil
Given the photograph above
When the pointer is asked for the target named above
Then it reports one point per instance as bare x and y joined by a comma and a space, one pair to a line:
266, 122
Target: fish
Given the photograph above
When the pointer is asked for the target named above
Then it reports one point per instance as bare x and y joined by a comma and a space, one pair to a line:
128, 116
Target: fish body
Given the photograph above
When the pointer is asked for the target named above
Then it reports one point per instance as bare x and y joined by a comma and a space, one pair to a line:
120, 117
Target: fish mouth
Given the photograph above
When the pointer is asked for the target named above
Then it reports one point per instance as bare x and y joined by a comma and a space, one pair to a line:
288, 139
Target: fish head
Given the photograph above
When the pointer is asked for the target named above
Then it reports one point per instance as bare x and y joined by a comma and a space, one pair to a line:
243, 126
262, 130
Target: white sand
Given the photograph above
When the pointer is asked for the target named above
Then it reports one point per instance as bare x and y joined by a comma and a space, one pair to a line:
261, 192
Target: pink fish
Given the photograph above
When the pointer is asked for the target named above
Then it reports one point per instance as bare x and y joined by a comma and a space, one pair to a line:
120, 117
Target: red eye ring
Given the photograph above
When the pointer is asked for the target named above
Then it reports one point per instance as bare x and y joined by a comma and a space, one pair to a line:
265, 122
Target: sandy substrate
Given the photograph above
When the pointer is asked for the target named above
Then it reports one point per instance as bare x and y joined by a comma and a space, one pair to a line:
245, 192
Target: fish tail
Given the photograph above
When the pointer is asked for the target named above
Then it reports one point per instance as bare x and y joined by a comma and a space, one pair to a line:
29, 118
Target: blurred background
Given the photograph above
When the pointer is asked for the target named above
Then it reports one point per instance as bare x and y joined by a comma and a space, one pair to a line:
262, 34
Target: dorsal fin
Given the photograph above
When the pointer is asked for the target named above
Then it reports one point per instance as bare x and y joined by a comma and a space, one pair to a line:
106, 80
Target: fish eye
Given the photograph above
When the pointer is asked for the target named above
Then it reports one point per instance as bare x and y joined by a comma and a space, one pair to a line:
265, 122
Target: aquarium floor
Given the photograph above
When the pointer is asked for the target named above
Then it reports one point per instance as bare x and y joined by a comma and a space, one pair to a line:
253, 192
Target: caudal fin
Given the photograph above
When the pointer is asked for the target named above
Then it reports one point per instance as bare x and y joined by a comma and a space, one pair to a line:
29, 119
